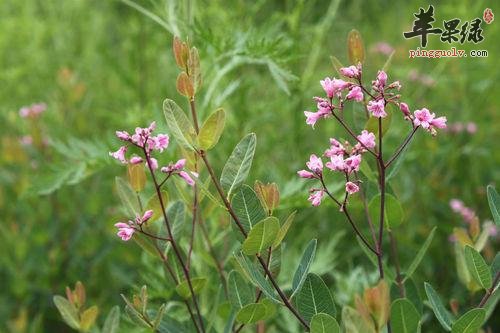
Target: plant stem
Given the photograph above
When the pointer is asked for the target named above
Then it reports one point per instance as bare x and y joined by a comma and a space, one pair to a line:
401, 148
352, 134
259, 258
382, 200
173, 242
367, 213
490, 291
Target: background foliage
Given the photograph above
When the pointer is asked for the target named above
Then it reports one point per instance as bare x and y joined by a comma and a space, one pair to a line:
103, 65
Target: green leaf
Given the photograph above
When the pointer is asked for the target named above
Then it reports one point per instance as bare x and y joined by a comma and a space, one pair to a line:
494, 202
411, 293
247, 207
495, 265
251, 313
442, 315
353, 322
394, 213
238, 165
239, 292
270, 308
183, 287
324, 323
478, 267
367, 170
159, 316
88, 318
305, 263
257, 279
179, 124
372, 124
212, 129
261, 236
136, 317
314, 297
284, 229
470, 322
112, 322
67, 311
491, 303
404, 317
420, 255
128, 197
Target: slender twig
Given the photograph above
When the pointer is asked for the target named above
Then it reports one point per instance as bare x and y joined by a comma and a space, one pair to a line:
141, 230
382, 200
352, 134
172, 242
490, 291
367, 213
400, 149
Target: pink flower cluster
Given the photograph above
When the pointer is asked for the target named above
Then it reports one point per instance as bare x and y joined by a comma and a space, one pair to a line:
144, 139
458, 127
342, 158
32, 111
127, 230
467, 213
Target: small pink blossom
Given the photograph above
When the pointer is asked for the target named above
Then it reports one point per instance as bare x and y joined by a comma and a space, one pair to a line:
336, 148
351, 187
312, 117
336, 163
120, 154
439, 122
423, 118
315, 164
333, 86
456, 205
33, 110
24, 112
179, 165
125, 231
154, 163
184, 175
146, 216
351, 71
377, 108
405, 109
352, 163
161, 142
315, 197
355, 93
381, 79
305, 174
135, 160
367, 139
122, 135
471, 128
383, 48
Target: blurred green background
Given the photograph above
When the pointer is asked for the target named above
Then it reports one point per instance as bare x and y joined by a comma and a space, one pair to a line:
107, 65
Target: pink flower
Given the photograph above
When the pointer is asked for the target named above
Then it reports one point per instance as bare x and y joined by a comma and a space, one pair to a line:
161, 142
351, 187
122, 135
352, 163
439, 122
135, 160
145, 217
367, 139
315, 197
351, 71
383, 48
154, 163
24, 112
125, 231
377, 108
405, 109
315, 164
305, 174
423, 118
336, 163
120, 154
312, 117
184, 175
381, 80
333, 86
179, 165
456, 205
336, 148
355, 93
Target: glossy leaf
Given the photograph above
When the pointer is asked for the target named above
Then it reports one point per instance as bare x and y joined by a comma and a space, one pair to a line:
478, 268
247, 207
211, 130
261, 236
112, 322
183, 287
305, 263
251, 313
178, 123
67, 311
314, 297
420, 255
324, 323
394, 213
238, 165
284, 229
494, 202
442, 315
88, 318
404, 317
470, 322
239, 292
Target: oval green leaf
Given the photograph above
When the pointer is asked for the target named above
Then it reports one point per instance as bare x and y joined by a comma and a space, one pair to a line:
442, 315
404, 317
112, 322
324, 323
251, 313
284, 229
67, 311
494, 202
180, 127
305, 263
470, 322
478, 268
247, 207
420, 255
211, 130
314, 297
238, 164
261, 236
183, 287
239, 292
